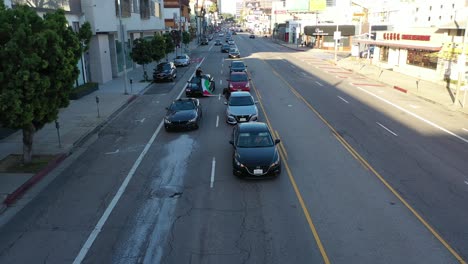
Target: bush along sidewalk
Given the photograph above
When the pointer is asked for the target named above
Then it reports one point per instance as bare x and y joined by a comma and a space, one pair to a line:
82, 90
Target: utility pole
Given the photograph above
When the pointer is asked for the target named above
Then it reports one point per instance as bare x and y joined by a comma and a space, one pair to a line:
122, 43
336, 37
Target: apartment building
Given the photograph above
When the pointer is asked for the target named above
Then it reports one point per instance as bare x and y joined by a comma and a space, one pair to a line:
176, 14
140, 18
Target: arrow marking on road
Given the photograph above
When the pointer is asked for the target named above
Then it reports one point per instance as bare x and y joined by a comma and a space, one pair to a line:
319, 83
217, 120
343, 99
113, 152
213, 167
141, 120
393, 133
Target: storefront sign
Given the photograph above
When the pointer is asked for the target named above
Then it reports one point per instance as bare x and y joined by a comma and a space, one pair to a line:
398, 36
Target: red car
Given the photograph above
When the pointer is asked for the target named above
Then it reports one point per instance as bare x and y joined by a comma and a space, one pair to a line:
239, 81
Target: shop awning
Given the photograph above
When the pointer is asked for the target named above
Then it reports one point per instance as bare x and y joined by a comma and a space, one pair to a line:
398, 45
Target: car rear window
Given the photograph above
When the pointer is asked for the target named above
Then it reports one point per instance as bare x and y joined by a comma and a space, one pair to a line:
182, 105
239, 78
240, 100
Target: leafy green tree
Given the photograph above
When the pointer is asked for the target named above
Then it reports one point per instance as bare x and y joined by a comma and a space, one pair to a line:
38, 68
158, 48
141, 54
213, 8
185, 38
84, 34
170, 46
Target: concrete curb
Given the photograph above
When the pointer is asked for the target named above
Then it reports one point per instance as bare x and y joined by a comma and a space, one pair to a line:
403, 90
13, 197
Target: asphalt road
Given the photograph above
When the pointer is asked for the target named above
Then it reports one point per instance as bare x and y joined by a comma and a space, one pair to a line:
362, 182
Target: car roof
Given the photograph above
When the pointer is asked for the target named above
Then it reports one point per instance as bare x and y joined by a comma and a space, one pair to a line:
253, 127
237, 62
240, 94
185, 100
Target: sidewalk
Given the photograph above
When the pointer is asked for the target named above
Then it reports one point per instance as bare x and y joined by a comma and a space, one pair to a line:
436, 92
77, 122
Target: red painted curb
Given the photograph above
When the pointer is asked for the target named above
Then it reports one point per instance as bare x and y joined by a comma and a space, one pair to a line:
400, 89
12, 197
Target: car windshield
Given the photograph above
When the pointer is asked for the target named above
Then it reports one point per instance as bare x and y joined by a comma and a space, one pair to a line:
237, 65
182, 105
254, 140
240, 100
195, 80
238, 78
164, 67
233, 50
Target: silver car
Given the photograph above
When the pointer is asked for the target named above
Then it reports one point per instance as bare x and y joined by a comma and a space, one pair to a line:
241, 108
182, 60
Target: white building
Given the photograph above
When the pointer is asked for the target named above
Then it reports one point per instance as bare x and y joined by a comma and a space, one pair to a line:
105, 54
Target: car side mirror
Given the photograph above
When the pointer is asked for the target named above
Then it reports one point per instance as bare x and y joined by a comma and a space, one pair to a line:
256, 102
277, 141
231, 142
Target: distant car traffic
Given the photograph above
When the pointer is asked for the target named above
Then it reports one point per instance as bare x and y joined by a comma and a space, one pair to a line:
204, 41
183, 114
252, 36
234, 53
218, 42
255, 154
231, 42
241, 108
182, 60
237, 66
225, 48
165, 71
200, 86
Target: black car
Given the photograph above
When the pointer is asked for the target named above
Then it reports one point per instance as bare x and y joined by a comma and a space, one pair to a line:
255, 153
237, 66
204, 41
165, 71
183, 114
194, 86
225, 48
252, 36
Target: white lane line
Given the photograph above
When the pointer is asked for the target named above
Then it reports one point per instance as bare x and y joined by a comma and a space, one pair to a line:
219, 96
213, 167
465, 129
393, 133
415, 115
292, 66
319, 83
217, 120
343, 99
98, 228
221, 71
221, 82
466, 182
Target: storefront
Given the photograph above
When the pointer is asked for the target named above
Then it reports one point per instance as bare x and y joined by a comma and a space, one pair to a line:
414, 52
322, 36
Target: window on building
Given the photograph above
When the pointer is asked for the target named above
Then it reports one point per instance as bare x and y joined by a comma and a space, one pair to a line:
430, 7
136, 7
384, 51
417, 9
152, 8
157, 11
144, 9
126, 8
429, 19
331, 3
422, 58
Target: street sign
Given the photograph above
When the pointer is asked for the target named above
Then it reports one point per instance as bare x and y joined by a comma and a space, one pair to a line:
337, 35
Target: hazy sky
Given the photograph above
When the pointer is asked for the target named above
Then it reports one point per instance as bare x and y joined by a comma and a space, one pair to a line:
228, 6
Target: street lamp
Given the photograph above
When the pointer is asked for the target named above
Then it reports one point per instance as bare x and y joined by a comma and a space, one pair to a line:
122, 43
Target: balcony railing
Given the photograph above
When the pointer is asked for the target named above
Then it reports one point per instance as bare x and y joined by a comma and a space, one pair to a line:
42, 4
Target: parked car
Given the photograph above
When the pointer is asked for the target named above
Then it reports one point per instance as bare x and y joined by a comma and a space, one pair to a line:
200, 86
241, 108
218, 42
237, 66
225, 48
252, 36
255, 153
210, 37
234, 53
165, 71
183, 114
238, 81
182, 60
204, 41
221, 34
